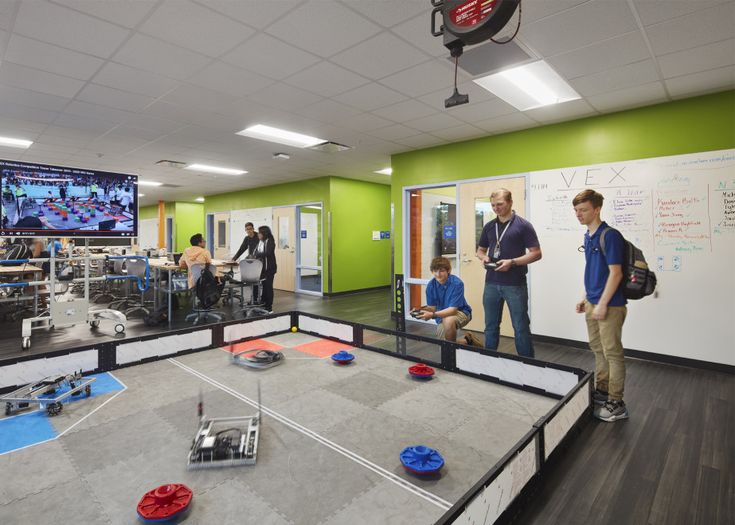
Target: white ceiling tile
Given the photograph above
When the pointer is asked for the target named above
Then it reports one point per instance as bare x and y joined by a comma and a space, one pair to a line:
434, 122
395, 132
421, 141
388, 13
366, 122
54, 59
7, 14
86, 109
135, 133
15, 111
255, 13
695, 29
134, 80
403, 111
505, 123
201, 98
583, 25
146, 53
642, 72
29, 129
457, 133
323, 37
270, 57
327, 111
701, 83
114, 98
153, 123
24, 77
93, 125
370, 96
229, 79
394, 55
58, 25
472, 90
635, 96
702, 58
571, 110
416, 31
326, 79
284, 97
26, 97
537, 9
654, 11
127, 13
194, 27
422, 79
614, 52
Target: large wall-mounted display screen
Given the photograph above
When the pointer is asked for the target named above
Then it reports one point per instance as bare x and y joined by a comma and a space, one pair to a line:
55, 201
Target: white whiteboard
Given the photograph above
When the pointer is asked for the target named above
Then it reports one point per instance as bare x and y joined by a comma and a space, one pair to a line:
680, 211
238, 218
148, 234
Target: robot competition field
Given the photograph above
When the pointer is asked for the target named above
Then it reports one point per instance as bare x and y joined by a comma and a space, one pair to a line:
329, 445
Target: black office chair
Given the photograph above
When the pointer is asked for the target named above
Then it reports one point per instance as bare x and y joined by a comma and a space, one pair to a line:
203, 310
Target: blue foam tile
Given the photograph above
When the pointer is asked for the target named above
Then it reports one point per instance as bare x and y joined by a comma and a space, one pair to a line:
34, 427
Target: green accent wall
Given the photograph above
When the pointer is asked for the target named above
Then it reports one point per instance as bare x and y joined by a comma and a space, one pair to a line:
692, 125
358, 208
189, 219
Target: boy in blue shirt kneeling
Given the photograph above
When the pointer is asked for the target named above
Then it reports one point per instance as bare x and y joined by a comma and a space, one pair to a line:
445, 302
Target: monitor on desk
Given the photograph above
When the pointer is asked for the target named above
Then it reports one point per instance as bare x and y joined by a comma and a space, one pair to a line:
40, 200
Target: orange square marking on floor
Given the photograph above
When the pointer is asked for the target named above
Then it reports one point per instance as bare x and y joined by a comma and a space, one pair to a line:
255, 344
323, 348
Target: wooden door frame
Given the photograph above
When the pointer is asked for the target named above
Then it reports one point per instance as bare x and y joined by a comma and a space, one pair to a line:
406, 227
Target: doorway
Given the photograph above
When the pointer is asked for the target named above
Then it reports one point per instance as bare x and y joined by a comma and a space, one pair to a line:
284, 231
309, 252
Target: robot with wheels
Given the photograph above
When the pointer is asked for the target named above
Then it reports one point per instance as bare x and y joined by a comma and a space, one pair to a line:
24, 397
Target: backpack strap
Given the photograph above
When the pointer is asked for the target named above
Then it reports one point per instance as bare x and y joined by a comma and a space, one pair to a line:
602, 241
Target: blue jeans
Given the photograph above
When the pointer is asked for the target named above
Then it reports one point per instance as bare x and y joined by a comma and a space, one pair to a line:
516, 298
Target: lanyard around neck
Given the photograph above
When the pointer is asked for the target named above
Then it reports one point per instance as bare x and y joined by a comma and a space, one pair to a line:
500, 236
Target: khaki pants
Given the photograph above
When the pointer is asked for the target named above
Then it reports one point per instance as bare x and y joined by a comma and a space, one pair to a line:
606, 343
460, 319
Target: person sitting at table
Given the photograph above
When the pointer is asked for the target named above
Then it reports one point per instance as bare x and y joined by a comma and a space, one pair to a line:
195, 254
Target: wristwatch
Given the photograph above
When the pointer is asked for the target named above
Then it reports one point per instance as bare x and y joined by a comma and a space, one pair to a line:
512, 262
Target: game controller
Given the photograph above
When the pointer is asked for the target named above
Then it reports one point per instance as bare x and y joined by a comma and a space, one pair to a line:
416, 314
490, 265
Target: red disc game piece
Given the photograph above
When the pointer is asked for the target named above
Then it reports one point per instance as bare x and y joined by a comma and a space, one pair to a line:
421, 371
165, 502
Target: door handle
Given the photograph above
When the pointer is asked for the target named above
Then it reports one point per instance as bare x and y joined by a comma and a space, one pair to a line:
466, 260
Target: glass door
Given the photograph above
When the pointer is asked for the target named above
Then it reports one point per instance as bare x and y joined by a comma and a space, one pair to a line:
309, 254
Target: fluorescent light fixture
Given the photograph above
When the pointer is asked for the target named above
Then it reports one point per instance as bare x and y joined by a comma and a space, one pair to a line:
214, 169
385, 171
141, 195
529, 86
149, 183
15, 143
281, 136
199, 199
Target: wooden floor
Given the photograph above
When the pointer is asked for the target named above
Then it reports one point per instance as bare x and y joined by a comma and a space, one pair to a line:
672, 462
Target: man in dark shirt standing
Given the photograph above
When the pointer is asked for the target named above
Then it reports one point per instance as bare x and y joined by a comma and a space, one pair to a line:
508, 244
249, 243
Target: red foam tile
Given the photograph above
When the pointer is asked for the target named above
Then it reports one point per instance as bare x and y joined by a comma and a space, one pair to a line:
323, 348
255, 344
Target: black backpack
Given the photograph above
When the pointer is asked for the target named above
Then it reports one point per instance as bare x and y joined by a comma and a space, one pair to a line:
638, 280
18, 252
208, 290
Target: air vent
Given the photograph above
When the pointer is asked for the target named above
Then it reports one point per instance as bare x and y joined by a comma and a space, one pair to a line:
330, 147
171, 163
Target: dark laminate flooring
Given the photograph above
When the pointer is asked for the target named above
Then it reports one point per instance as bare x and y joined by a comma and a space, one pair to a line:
672, 462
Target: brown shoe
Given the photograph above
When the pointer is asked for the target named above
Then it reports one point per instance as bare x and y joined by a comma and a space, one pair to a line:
471, 340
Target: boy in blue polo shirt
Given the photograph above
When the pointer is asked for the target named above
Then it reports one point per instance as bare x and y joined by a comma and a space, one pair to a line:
445, 302
603, 305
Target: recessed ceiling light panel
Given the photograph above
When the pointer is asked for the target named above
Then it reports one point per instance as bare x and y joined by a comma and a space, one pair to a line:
280, 136
15, 143
529, 86
215, 169
385, 171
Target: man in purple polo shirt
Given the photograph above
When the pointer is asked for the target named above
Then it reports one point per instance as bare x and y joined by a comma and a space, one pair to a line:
603, 304
508, 244
445, 302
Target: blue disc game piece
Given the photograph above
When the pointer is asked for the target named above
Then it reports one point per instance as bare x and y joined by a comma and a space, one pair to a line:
421, 460
343, 357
